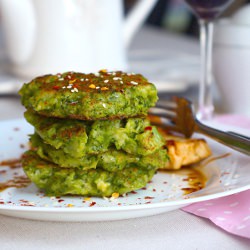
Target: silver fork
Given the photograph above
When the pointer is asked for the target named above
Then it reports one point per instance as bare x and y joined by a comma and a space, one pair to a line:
177, 116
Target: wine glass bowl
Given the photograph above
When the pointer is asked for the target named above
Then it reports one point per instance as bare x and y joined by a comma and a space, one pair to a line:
206, 12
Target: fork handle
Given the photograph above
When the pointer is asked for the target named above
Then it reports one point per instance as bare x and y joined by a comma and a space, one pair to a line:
232, 140
240, 135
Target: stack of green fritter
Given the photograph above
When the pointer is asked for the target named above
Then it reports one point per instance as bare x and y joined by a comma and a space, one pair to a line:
91, 136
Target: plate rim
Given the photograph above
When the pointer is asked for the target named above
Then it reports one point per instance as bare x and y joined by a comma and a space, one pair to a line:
162, 204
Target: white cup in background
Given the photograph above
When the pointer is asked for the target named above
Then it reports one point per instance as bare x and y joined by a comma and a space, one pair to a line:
232, 62
50, 36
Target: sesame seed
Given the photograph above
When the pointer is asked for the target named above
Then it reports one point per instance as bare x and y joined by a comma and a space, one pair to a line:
63, 87
61, 79
121, 82
92, 86
133, 82
117, 78
86, 79
104, 88
103, 70
72, 81
72, 90
106, 81
69, 86
82, 79
114, 196
104, 105
76, 90
97, 87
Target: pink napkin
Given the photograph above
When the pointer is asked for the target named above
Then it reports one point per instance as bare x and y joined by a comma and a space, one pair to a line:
231, 213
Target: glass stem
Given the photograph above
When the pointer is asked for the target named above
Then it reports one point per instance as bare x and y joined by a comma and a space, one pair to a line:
206, 107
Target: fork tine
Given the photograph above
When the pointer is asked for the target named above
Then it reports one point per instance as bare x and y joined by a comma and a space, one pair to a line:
179, 113
180, 118
193, 124
162, 112
185, 118
167, 125
164, 104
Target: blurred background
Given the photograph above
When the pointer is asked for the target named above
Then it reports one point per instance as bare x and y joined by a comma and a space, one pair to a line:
180, 73
165, 48
175, 16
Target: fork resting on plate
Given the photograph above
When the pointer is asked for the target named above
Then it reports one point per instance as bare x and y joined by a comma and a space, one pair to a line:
178, 116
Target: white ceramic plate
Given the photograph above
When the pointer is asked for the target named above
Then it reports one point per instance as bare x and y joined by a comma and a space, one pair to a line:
165, 193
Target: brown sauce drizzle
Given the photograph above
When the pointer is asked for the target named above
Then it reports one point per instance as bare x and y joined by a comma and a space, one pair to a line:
17, 181
12, 163
196, 181
194, 177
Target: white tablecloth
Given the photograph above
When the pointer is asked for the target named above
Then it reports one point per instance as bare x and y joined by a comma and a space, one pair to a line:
172, 230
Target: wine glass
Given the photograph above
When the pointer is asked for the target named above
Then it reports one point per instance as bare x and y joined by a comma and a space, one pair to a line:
206, 11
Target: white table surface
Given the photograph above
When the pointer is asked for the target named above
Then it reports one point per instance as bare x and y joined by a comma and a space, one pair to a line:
171, 230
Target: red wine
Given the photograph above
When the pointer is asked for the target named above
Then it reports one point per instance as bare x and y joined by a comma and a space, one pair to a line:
208, 9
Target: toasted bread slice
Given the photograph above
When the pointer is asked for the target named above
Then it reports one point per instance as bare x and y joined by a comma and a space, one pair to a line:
183, 152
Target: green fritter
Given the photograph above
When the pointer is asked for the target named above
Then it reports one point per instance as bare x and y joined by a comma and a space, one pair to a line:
100, 96
56, 181
68, 135
78, 138
111, 160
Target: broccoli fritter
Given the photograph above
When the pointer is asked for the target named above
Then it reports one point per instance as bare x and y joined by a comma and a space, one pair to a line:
111, 160
101, 96
56, 181
78, 138
92, 136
